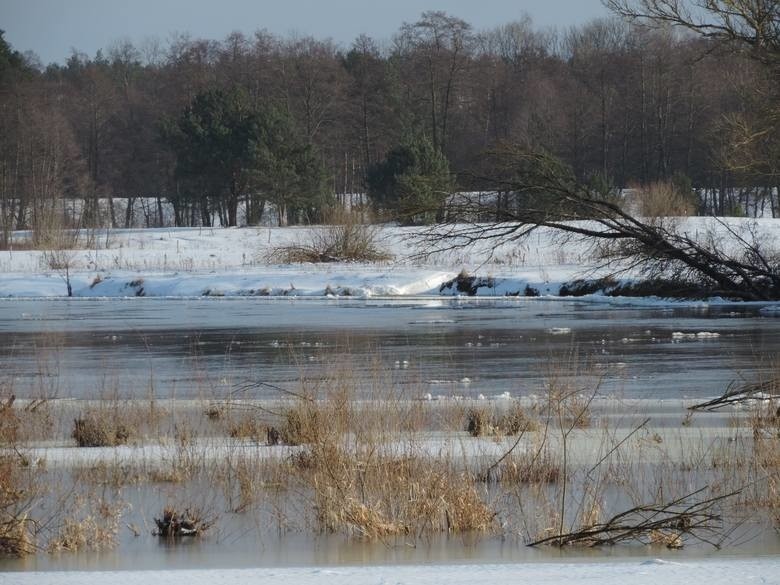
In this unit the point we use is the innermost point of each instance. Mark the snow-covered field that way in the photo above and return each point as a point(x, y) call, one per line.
point(234, 261)
point(655, 572)
point(188, 262)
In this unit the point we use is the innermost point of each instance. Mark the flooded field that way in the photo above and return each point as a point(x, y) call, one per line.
point(321, 432)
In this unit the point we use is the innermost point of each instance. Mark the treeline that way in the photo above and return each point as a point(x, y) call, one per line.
point(300, 122)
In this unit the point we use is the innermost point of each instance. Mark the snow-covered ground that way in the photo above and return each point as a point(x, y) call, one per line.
point(636, 572)
point(189, 262)
point(235, 261)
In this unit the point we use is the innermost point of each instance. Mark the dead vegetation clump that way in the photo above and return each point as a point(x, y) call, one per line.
point(359, 468)
point(95, 530)
point(301, 424)
point(248, 427)
point(100, 429)
point(175, 524)
point(373, 496)
point(17, 528)
point(765, 422)
point(496, 421)
point(478, 422)
point(528, 468)
point(9, 422)
point(347, 240)
point(23, 423)
point(215, 412)
point(665, 199)
point(670, 523)
point(113, 421)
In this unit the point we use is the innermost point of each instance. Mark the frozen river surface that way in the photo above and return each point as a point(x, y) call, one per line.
point(208, 348)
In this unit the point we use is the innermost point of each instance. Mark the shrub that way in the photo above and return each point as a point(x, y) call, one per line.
point(665, 199)
point(349, 241)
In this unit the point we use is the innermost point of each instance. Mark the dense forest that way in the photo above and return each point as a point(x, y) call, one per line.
point(252, 123)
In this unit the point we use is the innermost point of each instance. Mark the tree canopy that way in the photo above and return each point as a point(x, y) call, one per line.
point(663, 88)
point(227, 148)
point(412, 182)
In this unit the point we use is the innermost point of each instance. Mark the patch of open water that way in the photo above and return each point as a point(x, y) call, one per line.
point(206, 348)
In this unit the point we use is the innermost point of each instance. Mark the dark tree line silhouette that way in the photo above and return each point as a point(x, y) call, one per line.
point(629, 101)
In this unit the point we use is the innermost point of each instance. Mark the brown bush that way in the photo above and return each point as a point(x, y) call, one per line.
point(347, 241)
point(529, 468)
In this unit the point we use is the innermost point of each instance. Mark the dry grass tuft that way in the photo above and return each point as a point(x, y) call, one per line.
point(664, 199)
point(20, 424)
point(16, 526)
point(346, 241)
point(373, 497)
point(116, 422)
point(100, 429)
point(359, 468)
point(302, 424)
point(490, 421)
point(248, 427)
point(529, 468)
point(9, 422)
point(96, 531)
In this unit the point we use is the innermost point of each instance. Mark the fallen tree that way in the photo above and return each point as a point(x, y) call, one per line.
point(765, 392)
point(670, 523)
point(535, 190)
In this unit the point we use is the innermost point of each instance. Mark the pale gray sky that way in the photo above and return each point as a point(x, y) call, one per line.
point(51, 28)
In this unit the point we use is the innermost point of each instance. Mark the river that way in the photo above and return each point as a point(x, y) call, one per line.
point(207, 348)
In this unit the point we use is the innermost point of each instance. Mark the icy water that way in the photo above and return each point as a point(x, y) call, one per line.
point(210, 348)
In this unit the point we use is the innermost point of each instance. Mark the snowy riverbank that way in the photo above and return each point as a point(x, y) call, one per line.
point(194, 262)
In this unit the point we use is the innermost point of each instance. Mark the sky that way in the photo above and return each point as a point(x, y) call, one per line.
point(53, 28)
